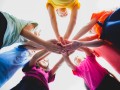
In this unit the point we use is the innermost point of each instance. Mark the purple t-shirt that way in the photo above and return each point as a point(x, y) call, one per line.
point(91, 72)
point(38, 73)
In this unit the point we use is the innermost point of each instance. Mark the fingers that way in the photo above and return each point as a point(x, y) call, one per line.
point(61, 40)
point(63, 46)
point(63, 43)
point(66, 41)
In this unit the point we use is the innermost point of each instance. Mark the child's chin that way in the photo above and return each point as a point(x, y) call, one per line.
point(44, 67)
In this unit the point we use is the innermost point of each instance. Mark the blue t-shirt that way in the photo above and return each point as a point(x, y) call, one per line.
point(13, 30)
point(11, 61)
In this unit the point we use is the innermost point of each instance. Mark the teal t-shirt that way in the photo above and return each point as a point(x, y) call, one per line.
point(13, 30)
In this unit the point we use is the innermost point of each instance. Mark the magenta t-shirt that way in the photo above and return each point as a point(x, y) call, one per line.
point(38, 73)
point(91, 72)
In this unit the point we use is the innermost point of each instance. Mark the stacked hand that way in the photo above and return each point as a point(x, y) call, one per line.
point(60, 47)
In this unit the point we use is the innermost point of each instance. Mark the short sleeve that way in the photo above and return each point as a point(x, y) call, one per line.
point(51, 77)
point(14, 28)
point(77, 71)
point(78, 4)
point(97, 14)
point(91, 57)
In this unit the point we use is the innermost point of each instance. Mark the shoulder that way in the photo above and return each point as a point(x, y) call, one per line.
point(91, 57)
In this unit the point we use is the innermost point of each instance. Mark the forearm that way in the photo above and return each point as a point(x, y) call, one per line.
point(34, 38)
point(72, 22)
point(32, 47)
point(57, 65)
point(53, 20)
point(37, 56)
point(95, 43)
point(55, 27)
point(85, 29)
point(69, 63)
point(77, 44)
point(89, 38)
point(31, 44)
point(69, 29)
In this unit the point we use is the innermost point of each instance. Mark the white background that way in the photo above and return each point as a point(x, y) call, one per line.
point(36, 10)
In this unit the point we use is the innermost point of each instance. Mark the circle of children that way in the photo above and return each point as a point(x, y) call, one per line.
point(104, 26)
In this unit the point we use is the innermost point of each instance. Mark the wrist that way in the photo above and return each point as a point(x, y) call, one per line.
point(80, 44)
point(46, 45)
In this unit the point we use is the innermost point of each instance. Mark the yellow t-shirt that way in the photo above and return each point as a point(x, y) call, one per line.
point(63, 3)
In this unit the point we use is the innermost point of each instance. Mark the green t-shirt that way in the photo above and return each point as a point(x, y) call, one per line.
point(14, 27)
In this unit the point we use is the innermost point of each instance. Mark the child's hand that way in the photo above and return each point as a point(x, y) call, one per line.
point(66, 41)
point(73, 46)
point(61, 40)
point(55, 46)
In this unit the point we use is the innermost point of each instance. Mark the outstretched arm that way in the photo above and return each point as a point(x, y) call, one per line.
point(77, 44)
point(56, 66)
point(86, 28)
point(32, 45)
point(38, 56)
point(45, 44)
point(89, 38)
point(53, 20)
point(68, 61)
point(72, 22)
point(95, 43)
point(26, 33)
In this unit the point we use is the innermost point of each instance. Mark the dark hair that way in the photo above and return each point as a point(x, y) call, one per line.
point(30, 83)
point(86, 86)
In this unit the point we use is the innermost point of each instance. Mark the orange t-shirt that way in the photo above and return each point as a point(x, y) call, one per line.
point(101, 18)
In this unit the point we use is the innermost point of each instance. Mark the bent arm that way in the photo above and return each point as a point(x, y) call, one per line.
point(85, 29)
point(72, 22)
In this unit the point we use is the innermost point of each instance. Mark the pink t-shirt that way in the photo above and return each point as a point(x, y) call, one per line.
point(91, 72)
point(38, 73)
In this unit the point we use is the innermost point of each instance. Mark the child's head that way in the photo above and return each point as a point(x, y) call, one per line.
point(77, 61)
point(62, 12)
point(44, 63)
